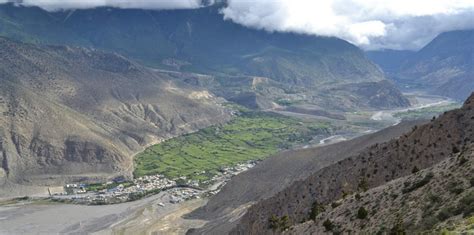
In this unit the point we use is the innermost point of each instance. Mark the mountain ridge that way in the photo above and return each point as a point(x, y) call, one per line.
point(202, 41)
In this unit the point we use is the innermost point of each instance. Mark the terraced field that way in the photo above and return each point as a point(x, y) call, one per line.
point(250, 136)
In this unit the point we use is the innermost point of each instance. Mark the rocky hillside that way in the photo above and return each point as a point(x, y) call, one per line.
point(200, 40)
point(68, 113)
point(447, 137)
point(445, 66)
point(434, 200)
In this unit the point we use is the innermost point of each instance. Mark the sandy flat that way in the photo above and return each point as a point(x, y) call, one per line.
point(143, 216)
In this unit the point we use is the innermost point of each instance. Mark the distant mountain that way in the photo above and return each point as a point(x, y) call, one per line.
point(390, 60)
point(420, 182)
point(445, 66)
point(200, 40)
point(69, 113)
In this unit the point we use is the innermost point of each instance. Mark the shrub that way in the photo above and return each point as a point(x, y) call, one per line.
point(281, 223)
point(328, 225)
point(434, 198)
point(455, 187)
point(462, 160)
point(335, 204)
point(455, 149)
point(363, 185)
point(397, 229)
point(316, 209)
point(466, 204)
point(362, 213)
point(414, 170)
point(445, 213)
point(274, 222)
point(429, 222)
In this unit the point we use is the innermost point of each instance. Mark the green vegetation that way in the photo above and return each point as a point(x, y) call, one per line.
point(465, 207)
point(13, 201)
point(100, 186)
point(316, 209)
point(250, 136)
point(279, 223)
point(363, 184)
point(362, 213)
point(287, 102)
point(328, 225)
point(426, 113)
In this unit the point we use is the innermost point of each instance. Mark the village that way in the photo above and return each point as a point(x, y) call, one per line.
point(120, 190)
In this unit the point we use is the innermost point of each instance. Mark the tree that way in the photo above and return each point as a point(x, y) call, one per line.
point(362, 213)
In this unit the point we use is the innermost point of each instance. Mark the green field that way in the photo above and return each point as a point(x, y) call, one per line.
point(426, 113)
point(250, 136)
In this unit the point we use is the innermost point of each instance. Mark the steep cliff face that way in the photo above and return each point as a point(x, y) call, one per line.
point(74, 112)
point(423, 147)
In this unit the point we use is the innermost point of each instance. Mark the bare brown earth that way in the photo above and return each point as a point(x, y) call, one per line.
point(447, 137)
point(224, 210)
point(70, 114)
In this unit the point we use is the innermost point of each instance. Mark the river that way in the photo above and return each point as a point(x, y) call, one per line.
point(387, 117)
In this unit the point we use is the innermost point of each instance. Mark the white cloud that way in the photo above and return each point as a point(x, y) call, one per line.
point(54, 5)
point(372, 24)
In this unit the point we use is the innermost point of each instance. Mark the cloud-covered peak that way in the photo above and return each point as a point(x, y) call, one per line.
point(371, 24)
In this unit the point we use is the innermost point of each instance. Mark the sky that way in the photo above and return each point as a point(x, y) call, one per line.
point(370, 24)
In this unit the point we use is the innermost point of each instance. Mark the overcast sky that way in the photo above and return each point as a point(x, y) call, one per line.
point(370, 24)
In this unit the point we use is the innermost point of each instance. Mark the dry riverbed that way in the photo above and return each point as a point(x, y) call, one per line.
point(150, 215)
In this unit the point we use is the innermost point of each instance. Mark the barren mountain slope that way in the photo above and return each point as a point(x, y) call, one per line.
point(421, 148)
point(431, 200)
point(74, 111)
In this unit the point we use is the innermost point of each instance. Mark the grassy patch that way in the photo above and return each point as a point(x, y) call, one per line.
point(250, 136)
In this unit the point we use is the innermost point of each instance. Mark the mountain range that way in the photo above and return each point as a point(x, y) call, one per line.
point(299, 67)
point(444, 66)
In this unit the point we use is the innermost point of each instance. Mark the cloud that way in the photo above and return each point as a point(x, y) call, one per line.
point(54, 5)
point(371, 24)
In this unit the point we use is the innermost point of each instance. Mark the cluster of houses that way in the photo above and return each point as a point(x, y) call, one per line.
point(178, 195)
point(121, 191)
point(226, 173)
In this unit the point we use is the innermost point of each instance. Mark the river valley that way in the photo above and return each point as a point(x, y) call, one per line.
point(155, 214)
